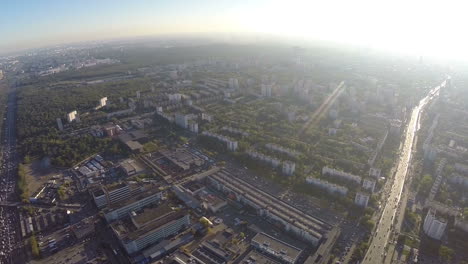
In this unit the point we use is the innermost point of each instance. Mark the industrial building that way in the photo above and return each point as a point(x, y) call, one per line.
point(293, 220)
point(135, 202)
point(275, 248)
point(148, 226)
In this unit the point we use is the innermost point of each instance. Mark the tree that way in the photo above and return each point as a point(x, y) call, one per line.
point(446, 253)
point(34, 246)
point(425, 184)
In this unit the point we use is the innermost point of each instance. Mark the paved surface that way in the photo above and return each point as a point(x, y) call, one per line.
point(10, 235)
point(378, 247)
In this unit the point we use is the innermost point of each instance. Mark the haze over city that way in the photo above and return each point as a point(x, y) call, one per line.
point(233, 132)
point(421, 28)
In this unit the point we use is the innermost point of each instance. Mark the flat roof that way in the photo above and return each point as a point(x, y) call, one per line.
point(280, 248)
point(255, 257)
point(127, 231)
point(132, 199)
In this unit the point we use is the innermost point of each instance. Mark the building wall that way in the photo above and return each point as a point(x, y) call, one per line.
point(157, 235)
point(123, 211)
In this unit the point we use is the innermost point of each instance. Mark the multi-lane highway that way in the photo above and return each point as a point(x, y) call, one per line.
point(377, 251)
point(9, 234)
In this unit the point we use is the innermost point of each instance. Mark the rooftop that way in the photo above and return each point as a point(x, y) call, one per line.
point(152, 190)
point(277, 247)
point(148, 221)
point(254, 257)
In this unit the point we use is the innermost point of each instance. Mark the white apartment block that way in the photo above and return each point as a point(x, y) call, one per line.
point(375, 172)
point(233, 83)
point(368, 184)
point(193, 127)
point(288, 167)
point(434, 227)
point(102, 102)
point(281, 149)
point(231, 145)
point(72, 116)
point(262, 157)
point(361, 199)
point(266, 90)
point(341, 174)
point(327, 186)
point(181, 120)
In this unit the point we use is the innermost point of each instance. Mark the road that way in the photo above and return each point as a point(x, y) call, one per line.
point(379, 241)
point(10, 236)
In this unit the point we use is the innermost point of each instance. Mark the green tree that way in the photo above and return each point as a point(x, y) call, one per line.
point(446, 253)
point(34, 246)
point(425, 184)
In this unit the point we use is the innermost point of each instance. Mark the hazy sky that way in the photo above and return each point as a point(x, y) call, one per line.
point(421, 27)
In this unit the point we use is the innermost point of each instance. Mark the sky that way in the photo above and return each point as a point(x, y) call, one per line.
point(425, 28)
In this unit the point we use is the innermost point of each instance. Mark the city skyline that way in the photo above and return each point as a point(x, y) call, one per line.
point(409, 28)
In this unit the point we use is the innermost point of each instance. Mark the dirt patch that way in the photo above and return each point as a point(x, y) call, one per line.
point(36, 175)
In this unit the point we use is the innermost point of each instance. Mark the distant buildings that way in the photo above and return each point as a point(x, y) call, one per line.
point(266, 90)
point(233, 83)
point(72, 116)
point(433, 226)
point(361, 199)
point(138, 94)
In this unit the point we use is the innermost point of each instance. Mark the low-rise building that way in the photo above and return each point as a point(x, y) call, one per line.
point(275, 248)
point(149, 226)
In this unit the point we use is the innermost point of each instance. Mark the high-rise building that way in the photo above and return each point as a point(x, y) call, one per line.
point(138, 94)
point(266, 90)
point(434, 226)
point(233, 83)
point(59, 124)
point(181, 120)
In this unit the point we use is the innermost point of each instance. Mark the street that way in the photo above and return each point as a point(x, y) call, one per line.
point(377, 251)
point(9, 221)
